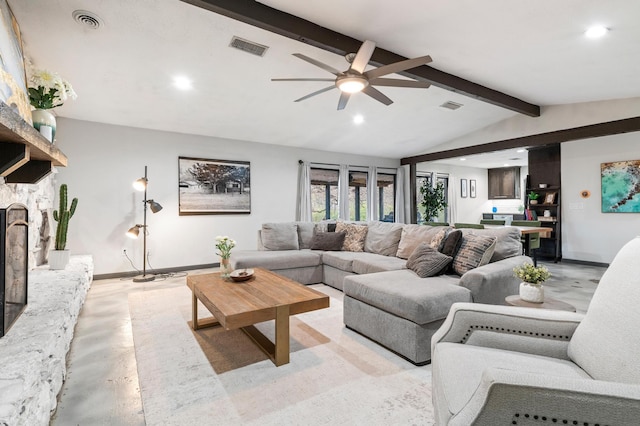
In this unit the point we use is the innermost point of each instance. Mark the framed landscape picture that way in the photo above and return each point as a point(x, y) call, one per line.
point(213, 186)
point(620, 183)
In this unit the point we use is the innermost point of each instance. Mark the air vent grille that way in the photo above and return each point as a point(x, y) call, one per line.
point(87, 19)
point(451, 105)
point(248, 46)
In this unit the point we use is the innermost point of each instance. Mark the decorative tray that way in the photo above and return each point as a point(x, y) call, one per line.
point(241, 274)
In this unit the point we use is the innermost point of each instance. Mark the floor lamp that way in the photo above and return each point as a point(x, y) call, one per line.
point(133, 232)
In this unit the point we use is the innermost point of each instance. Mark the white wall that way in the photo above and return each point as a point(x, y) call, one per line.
point(587, 233)
point(105, 159)
point(469, 210)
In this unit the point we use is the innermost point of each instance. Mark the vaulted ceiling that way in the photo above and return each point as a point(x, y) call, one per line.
point(520, 53)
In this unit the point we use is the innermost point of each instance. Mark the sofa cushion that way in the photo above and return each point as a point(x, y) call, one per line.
point(343, 260)
point(280, 236)
point(328, 241)
point(475, 250)
point(274, 260)
point(378, 264)
point(426, 261)
point(412, 235)
point(383, 238)
point(508, 243)
point(403, 293)
point(305, 234)
point(356, 234)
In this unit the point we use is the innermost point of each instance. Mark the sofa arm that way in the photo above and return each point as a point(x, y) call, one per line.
point(493, 282)
point(507, 396)
point(534, 331)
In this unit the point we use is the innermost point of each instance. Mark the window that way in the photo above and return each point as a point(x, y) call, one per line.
point(324, 194)
point(358, 195)
point(386, 196)
point(427, 178)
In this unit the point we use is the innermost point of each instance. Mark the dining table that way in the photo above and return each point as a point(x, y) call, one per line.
point(527, 231)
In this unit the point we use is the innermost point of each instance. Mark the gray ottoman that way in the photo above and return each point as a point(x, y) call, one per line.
point(400, 310)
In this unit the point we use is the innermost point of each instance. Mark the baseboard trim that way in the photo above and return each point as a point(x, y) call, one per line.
point(155, 271)
point(584, 262)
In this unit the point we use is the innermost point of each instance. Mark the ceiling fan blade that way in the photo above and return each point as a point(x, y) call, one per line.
point(377, 95)
point(395, 82)
point(344, 98)
point(397, 67)
point(317, 63)
point(303, 79)
point(362, 57)
point(317, 92)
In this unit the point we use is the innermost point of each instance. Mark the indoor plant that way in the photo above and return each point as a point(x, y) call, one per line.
point(533, 197)
point(433, 199)
point(48, 91)
point(224, 246)
point(531, 288)
point(59, 258)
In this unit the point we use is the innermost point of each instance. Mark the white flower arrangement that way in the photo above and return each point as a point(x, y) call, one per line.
point(224, 246)
point(50, 90)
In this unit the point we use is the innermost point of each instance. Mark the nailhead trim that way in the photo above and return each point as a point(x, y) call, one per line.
point(545, 419)
point(512, 331)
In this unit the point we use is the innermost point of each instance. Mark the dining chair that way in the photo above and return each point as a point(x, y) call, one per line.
point(437, 223)
point(530, 241)
point(468, 225)
point(492, 222)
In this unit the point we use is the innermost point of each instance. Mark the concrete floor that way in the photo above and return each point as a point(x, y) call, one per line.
point(102, 379)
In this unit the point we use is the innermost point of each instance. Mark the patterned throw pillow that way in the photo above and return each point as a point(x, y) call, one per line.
point(328, 241)
point(475, 251)
point(438, 239)
point(413, 235)
point(356, 235)
point(427, 261)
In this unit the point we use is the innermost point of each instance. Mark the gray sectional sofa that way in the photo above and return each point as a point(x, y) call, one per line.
point(383, 298)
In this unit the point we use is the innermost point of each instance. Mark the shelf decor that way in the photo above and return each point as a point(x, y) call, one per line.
point(620, 186)
point(50, 91)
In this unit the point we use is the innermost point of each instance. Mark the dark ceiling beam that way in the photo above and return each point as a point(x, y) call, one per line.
point(276, 21)
point(615, 127)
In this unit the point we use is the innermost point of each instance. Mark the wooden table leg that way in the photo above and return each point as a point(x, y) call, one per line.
point(281, 355)
point(194, 310)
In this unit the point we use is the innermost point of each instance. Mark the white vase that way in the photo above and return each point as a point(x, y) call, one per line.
point(41, 118)
point(59, 259)
point(533, 293)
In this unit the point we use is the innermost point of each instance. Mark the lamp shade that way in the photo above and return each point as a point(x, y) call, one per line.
point(133, 232)
point(140, 184)
point(154, 206)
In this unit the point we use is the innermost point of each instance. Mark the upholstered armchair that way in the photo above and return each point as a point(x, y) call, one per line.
point(501, 365)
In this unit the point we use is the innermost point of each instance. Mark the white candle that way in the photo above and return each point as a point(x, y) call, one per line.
point(47, 132)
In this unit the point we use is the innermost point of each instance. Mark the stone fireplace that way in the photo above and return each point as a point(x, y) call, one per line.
point(14, 264)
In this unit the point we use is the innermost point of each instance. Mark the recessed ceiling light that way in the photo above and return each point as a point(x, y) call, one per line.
point(506, 164)
point(596, 31)
point(358, 119)
point(463, 159)
point(182, 82)
point(521, 150)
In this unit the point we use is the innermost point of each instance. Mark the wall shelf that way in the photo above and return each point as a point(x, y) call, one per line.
point(25, 155)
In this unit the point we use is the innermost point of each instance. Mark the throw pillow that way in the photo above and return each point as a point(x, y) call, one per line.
point(475, 251)
point(451, 243)
point(383, 238)
point(413, 235)
point(438, 239)
point(280, 236)
point(328, 241)
point(508, 241)
point(305, 234)
point(356, 234)
point(427, 261)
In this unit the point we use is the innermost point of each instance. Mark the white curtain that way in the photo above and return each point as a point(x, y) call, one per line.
point(453, 199)
point(401, 183)
point(303, 207)
point(373, 199)
point(343, 192)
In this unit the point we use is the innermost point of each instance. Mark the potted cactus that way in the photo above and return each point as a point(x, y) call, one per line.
point(59, 258)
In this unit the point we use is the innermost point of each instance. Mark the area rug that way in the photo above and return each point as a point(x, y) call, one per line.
point(217, 377)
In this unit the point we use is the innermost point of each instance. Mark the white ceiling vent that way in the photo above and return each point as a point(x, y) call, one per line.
point(451, 105)
point(248, 46)
point(87, 19)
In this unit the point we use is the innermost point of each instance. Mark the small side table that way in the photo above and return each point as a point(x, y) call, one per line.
point(549, 303)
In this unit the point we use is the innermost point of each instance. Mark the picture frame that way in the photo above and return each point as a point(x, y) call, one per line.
point(13, 77)
point(550, 198)
point(619, 183)
point(472, 188)
point(213, 186)
point(463, 188)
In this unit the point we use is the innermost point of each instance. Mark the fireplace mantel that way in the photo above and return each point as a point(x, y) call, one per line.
point(25, 155)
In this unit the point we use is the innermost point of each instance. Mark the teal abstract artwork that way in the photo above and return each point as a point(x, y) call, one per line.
point(620, 187)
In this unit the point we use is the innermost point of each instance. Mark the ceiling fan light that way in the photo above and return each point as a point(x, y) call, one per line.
point(352, 84)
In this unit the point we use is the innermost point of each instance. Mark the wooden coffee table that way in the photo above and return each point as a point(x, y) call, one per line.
point(549, 303)
point(266, 296)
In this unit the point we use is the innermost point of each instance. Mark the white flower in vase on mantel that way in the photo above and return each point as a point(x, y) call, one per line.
point(47, 90)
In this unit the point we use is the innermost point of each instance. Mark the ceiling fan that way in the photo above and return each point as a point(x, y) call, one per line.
point(356, 79)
